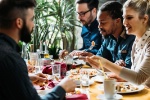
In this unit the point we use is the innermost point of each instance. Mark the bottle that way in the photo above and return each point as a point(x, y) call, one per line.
point(41, 50)
point(46, 54)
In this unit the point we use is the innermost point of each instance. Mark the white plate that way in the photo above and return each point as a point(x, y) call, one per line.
point(116, 97)
point(43, 92)
point(98, 78)
point(79, 62)
point(92, 72)
point(140, 87)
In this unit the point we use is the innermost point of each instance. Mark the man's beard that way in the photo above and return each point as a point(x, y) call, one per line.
point(88, 22)
point(106, 35)
point(25, 34)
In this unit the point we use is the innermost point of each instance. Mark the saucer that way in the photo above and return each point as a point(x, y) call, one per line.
point(90, 83)
point(116, 97)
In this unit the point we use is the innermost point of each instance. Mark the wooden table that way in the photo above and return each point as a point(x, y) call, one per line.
point(142, 95)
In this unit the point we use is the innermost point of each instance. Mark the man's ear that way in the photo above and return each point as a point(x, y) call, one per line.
point(19, 23)
point(94, 10)
point(118, 20)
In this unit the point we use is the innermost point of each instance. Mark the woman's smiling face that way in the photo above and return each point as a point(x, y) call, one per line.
point(132, 22)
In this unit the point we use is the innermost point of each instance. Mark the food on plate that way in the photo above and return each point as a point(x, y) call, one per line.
point(75, 77)
point(74, 72)
point(91, 72)
point(77, 91)
point(122, 87)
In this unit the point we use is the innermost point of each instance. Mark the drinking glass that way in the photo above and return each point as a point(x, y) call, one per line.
point(84, 81)
point(56, 69)
point(84, 78)
point(35, 61)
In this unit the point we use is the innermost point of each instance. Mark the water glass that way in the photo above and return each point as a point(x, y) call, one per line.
point(84, 78)
point(56, 69)
point(34, 60)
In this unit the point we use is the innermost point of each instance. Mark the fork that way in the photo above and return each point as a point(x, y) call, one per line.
point(92, 45)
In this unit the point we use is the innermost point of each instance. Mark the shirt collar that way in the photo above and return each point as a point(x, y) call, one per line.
point(122, 35)
point(10, 41)
point(142, 40)
point(92, 25)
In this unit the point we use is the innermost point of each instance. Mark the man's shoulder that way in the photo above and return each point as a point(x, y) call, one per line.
point(130, 37)
point(6, 51)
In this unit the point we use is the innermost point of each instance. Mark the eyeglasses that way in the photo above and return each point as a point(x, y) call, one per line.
point(82, 14)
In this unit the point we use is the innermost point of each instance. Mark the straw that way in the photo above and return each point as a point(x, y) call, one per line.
point(106, 77)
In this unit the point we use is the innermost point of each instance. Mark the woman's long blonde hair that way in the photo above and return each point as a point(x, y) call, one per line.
point(140, 6)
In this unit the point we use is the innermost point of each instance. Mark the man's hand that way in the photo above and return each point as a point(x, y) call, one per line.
point(31, 68)
point(120, 63)
point(76, 53)
point(63, 53)
point(68, 84)
point(84, 53)
point(38, 79)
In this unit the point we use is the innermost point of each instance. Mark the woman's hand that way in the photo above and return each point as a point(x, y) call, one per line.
point(100, 62)
point(118, 79)
point(120, 63)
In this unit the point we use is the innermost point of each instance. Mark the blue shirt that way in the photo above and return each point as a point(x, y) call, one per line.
point(113, 49)
point(89, 34)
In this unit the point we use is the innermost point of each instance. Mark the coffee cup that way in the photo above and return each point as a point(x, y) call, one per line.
point(109, 88)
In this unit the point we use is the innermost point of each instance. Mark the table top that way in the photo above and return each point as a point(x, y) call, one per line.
point(141, 95)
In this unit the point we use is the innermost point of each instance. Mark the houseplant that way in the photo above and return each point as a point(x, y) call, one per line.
point(54, 23)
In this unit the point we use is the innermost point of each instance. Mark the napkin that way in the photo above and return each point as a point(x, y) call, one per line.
point(37, 87)
point(77, 97)
point(47, 69)
point(51, 84)
point(64, 67)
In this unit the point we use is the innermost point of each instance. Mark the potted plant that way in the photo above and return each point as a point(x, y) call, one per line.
point(54, 21)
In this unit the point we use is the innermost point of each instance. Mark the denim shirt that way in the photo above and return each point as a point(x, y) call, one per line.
point(89, 34)
point(113, 49)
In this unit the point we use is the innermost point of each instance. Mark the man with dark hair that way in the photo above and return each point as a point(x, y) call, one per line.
point(117, 44)
point(87, 12)
point(16, 23)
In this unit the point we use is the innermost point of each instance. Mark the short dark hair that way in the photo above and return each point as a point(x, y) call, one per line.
point(12, 9)
point(91, 3)
point(113, 8)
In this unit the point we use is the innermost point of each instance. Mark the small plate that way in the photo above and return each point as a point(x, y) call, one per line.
point(78, 62)
point(98, 78)
point(116, 97)
point(43, 92)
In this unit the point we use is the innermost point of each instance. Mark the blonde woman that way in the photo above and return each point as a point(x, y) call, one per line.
point(136, 14)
